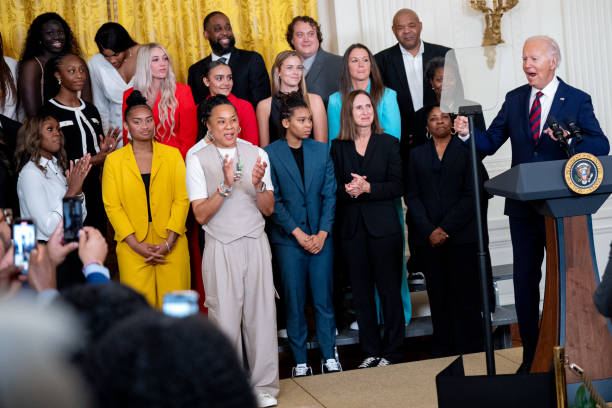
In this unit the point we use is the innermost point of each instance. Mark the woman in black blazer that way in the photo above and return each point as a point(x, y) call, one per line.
point(369, 177)
point(442, 222)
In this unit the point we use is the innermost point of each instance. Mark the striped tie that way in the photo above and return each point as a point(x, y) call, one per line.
point(535, 114)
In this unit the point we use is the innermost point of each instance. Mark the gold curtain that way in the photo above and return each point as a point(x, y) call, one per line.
point(176, 24)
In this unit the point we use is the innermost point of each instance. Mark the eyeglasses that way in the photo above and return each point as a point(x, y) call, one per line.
point(6, 215)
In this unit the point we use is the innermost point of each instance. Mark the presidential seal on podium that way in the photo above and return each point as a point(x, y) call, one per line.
point(583, 173)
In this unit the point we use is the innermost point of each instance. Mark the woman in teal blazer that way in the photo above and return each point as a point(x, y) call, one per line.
point(305, 202)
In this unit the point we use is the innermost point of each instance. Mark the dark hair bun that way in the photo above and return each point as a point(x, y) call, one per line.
point(135, 99)
point(212, 103)
point(289, 102)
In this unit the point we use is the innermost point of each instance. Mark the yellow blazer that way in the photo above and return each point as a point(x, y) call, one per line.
point(125, 199)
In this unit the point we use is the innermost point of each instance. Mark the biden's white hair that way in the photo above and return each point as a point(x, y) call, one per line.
point(553, 48)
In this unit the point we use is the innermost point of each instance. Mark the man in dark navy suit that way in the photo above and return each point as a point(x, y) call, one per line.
point(523, 119)
point(251, 81)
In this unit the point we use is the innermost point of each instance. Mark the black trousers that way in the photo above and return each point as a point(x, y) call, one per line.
point(528, 242)
point(376, 261)
point(453, 287)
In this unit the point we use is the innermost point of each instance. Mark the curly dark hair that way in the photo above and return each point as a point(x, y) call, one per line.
point(304, 19)
point(29, 140)
point(170, 362)
point(205, 110)
point(33, 46)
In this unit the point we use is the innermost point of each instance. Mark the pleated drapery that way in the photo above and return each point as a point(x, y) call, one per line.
point(176, 24)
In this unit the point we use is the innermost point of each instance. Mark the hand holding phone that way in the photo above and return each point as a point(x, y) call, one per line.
point(73, 218)
point(24, 241)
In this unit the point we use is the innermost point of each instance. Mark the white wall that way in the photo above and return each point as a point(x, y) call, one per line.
point(582, 29)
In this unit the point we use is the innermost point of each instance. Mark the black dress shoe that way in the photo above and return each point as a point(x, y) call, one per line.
point(524, 368)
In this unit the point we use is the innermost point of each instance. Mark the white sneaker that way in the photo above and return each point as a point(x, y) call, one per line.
point(354, 325)
point(384, 362)
point(301, 370)
point(282, 334)
point(266, 400)
point(331, 365)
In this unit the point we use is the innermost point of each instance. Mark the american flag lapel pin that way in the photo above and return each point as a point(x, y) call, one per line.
point(562, 99)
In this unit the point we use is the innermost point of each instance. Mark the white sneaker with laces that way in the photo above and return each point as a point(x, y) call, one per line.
point(301, 370)
point(331, 365)
point(282, 334)
point(384, 362)
point(266, 400)
point(369, 362)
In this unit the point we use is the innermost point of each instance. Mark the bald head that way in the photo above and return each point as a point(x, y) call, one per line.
point(407, 29)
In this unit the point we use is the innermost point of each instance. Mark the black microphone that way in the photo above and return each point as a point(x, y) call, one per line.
point(574, 130)
point(553, 124)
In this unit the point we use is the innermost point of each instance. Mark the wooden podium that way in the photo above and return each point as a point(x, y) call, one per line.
point(569, 317)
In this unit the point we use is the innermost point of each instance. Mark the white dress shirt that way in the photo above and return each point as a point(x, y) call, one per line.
point(196, 181)
point(108, 86)
point(414, 73)
point(10, 105)
point(215, 57)
point(546, 100)
point(40, 195)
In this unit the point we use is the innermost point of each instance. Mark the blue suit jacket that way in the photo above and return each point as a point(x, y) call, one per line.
point(309, 205)
point(512, 122)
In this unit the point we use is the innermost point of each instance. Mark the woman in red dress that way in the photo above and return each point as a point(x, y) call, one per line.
point(173, 108)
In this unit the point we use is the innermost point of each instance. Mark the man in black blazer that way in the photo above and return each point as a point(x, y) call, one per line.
point(322, 69)
point(403, 69)
point(251, 81)
point(402, 72)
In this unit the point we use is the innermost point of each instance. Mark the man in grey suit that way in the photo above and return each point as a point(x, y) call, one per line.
point(322, 69)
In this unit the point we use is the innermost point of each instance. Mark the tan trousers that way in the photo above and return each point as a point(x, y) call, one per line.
point(240, 300)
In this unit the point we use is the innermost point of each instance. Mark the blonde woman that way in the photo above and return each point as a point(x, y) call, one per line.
point(172, 103)
point(288, 76)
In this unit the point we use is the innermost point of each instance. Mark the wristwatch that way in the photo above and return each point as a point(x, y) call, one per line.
point(263, 187)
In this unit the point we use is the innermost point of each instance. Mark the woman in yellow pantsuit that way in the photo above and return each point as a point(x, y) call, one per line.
point(143, 187)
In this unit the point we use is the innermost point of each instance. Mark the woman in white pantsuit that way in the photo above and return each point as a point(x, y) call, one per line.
point(229, 187)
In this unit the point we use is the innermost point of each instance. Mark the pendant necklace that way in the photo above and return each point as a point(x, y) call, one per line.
point(237, 164)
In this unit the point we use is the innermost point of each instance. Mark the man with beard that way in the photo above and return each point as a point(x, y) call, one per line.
point(251, 81)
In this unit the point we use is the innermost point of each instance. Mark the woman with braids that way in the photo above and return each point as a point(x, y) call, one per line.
point(143, 187)
point(49, 35)
point(305, 202)
point(172, 103)
point(81, 126)
point(230, 190)
point(287, 77)
point(8, 85)
point(45, 178)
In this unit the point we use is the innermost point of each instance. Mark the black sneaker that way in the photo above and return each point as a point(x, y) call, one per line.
point(416, 278)
point(369, 362)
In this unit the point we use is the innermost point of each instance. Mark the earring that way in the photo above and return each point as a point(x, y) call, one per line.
point(239, 129)
point(59, 81)
point(428, 135)
point(453, 131)
point(209, 136)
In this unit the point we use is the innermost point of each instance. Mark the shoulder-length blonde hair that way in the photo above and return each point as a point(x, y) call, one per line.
point(143, 81)
point(275, 75)
point(29, 139)
point(348, 127)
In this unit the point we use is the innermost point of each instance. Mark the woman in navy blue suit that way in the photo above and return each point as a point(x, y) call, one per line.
point(305, 201)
